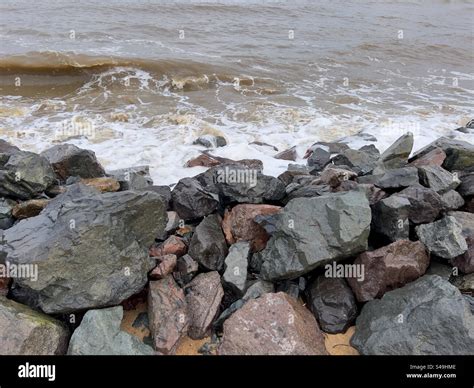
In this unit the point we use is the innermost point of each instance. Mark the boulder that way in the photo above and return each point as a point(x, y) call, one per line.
point(334, 176)
point(236, 263)
point(398, 178)
point(426, 317)
point(211, 141)
point(99, 334)
point(313, 231)
point(333, 304)
point(435, 157)
point(437, 179)
point(208, 246)
point(388, 268)
point(186, 269)
point(91, 249)
point(425, 204)
point(289, 154)
point(465, 262)
point(390, 218)
point(167, 313)
point(132, 178)
point(30, 208)
point(396, 156)
point(319, 159)
point(173, 245)
point(465, 283)
point(443, 237)
point(68, 160)
point(203, 296)
point(359, 161)
point(6, 218)
point(27, 332)
point(274, 324)
point(165, 267)
point(452, 200)
point(202, 160)
point(103, 184)
point(466, 220)
point(191, 200)
point(466, 188)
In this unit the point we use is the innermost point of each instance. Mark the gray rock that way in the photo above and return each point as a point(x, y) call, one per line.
point(396, 156)
point(236, 263)
point(465, 283)
point(398, 178)
point(307, 191)
point(211, 141)
point(452, 200)
point(191, 200)
point(289, 154)
point(163, 191)
point(319, 159)
point(68, 160)
point(333, 304)
point(466, 220)
point(466, 188)
point(99, 334)
point(91, 249)
point(6, 207)
point(173, 221)
point(444, 271)
point(390, 218)
point(289, 287)
point(24, 331)
point(425, 204)
point(208, 246)
point(186, 269)
point(132, 178)
point(313, 231)
point(443, 238)
point(437, 178)
point(359, 161)
point(426, 317)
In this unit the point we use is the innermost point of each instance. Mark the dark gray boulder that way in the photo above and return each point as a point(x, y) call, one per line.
point(319, 159)
point(236, 263)
point(390, 218)
point(437, 178)
point(132, 178)
point(466, 188)
point(191, 200)
point(359, 161)
point(398, 178)
point(211, 141)
point(425, 204)
point(6, 218)
point(396, 156)
point(426, 317)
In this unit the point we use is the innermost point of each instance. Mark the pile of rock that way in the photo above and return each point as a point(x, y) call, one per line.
point(374, 246)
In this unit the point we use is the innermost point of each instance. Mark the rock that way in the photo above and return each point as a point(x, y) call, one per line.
point(466, 220)
point(307, 191)
point(99, 334)
point(435, 157)
point(208, 246)
point(466, 188)
point(396, 156)
point(444, 271)
point(339, 344)
point(239, 224)
point(27, 332)
point(4, 286)
point(274, 324)
point(24, 175)
point(373, 193)
point(202, 160)
point(238, 183)
point(191, 200)
point(319, 159)
point(173, 222)
point(163, 191)
point(6, 218)
point(203, 296)
point(459, 154)
point(167, 312)
point(334, 176)
point(425, 204)
point(68, 160)
point(103, 184)
point(388, 268)
point(289, 287)
point(333, 304)
point(173, 245)
point(331, 147)
point(165, 267)
point(390, 218)
point(30, 208)
point(398, 178)
point(289, 154)
point(211, 141)
point(452, 200)
point(359, 161)
point(91, 249)
point(465, 283)
point(426, 317)
point(236, 262)
point(313, 231)
point(437, 179)
point(132, 178)
point(465, 262)
point(443, 238)
point(186, 268)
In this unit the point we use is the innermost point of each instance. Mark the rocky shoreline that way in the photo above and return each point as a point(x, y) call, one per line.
point(357, 252)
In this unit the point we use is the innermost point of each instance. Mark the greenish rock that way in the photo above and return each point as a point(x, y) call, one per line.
point(396, 156)
point(6, 207)
point(438, 179)
point(390, 218)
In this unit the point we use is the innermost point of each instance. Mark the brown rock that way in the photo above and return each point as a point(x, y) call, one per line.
point(239, 225)
point(203, 296)
point(4, 286)
point(30, 208)
point(333, 176)
point(202, 160)
point(103, 184)
point(388, 268)
point(173, 245)
point(289, 154)
point(166, 265)
point(339, 344)
point(167, 313)
point(465, 262)
point(274, 324)
point(433, 158)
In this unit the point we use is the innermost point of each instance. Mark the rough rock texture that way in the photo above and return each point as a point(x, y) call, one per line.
point(435, 157)
point(29, 208)
point(166, 265)
point(426, 317)
point(390, 218)
point(186, 269)
point(24, 331)
point(452, 200)
point(132, 178)
point(466, 220)
point(99, 334)
point(191, 200)
point(91, 249)
point(274, 324)
point(202, 160)
point(289, 154)
point(312, 231)
point(208, 246)
point(465, 262)
point(465, 283)
point(236, 263)
point(239, 224)
point(398, 178)
point(443, 237)
point(437, 179)
point(333, 176)
point(359, 161)
point(425, 204)
point(173, 245)
point(319, 159)
point(388, 268)
point(396, 155)
point(103, 184)
point(466, 188)
point(333, 304)
point(6, 207)
point(211, 141)
point(203, 296)
point(167, 312)
point(68, 160)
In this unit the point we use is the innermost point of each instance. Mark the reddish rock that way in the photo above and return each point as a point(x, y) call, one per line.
point(103, 184)
point(167, 313)
point(289, 154)
point(203, 296)
point(4, 286)
point(433, 158)
point(239, 225)
point(388, 268)
point(173, 245)
point(202, 160)
point(274, 324)
point(465, 262)
point(30, 208)
point(166, 265)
